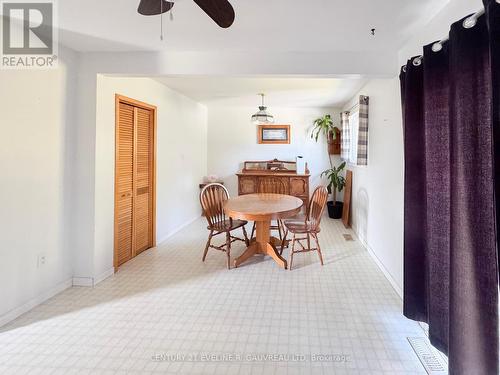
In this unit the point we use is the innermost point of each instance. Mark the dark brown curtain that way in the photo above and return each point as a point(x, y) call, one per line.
point(493, 20)
point(415, 306)
point(451, 119)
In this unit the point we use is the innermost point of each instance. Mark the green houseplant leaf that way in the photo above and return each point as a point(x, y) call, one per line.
point(336, 182)
point(323, 125)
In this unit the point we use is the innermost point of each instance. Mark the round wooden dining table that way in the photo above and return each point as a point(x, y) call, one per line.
point(262, 208)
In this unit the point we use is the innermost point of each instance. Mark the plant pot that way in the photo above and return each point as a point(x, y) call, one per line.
point(335, 210)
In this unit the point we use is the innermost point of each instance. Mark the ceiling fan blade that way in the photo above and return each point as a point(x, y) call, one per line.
point(154, 7)
point(221, 11)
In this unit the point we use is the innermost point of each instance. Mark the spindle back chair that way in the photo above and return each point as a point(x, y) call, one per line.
point(310, 226)
point(212, 199)
point(271, 185)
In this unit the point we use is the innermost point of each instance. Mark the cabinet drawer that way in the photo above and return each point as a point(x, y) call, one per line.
point(299, 186)
point(247, 185)
point(266, 183)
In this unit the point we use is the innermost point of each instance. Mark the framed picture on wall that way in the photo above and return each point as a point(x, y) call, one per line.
point(273, 134)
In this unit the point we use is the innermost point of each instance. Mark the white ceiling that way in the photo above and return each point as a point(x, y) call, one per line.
point(260, 25)
point(280, 91)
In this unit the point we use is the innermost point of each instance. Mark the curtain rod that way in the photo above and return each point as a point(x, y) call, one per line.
point(468, 23)
point(350, 109)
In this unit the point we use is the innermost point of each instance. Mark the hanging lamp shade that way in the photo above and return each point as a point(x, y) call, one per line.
point(262, 117)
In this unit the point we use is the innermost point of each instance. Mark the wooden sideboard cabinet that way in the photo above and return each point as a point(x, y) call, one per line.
point(254, 175)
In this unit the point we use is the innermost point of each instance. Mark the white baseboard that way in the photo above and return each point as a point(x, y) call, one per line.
point(380, 265)
point(103, 276)
point(93, 281)
point(176, 230)
point(14, 313)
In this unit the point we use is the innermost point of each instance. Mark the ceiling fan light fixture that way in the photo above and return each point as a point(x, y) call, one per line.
point(220, 11)
point(154, 7)
point(262, 116)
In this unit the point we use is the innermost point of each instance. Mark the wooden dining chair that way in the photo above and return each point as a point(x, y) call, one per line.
point(272, 185)
point(212, 198)
point(308, 226)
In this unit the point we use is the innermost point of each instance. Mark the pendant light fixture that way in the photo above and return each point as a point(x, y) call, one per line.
point(262, 117)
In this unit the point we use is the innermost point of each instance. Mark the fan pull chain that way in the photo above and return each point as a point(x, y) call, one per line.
point(161, 19)
point(171, 13)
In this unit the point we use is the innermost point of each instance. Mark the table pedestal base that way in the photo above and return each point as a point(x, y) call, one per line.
point(263, 244)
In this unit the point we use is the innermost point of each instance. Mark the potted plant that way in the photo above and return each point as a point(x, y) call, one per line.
point(336, 183)
point(324, 125)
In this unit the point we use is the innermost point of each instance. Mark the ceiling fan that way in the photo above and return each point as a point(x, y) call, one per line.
point(221, 11)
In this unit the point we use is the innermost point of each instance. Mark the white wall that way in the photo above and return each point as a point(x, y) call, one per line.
point(438, 27)
point(35, 167)
point(377, 190)
point(377, 205)
point(181, 159)
point(232, 139)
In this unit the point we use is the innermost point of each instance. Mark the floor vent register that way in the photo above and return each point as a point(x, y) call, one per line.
point(428, 356)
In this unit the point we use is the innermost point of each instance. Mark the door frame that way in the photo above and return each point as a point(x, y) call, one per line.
point(136, 103)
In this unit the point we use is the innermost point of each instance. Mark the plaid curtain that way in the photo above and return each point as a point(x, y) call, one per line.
point(363, 131)
point(345, 137)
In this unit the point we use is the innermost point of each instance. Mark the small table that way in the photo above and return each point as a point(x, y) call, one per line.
point(262, 208)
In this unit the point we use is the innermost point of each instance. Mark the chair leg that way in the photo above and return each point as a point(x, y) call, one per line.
point(283, 241)
point(228, 249)
point(207, 245)
point(247, 242)
point(319, 248)
point(253, 230)
point(291, 253)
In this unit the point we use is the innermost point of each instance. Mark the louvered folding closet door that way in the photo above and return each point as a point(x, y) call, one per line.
point(143, 198)
point(124, 184)
point(134, 182)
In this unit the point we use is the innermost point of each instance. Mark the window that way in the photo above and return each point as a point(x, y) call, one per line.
point(355, 133)
point(353, 139)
